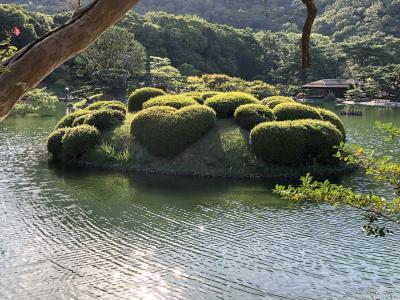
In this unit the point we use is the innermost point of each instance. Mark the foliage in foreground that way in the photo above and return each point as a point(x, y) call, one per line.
point(376, 209)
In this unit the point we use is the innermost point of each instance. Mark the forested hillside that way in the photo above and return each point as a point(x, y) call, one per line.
point(338, 18)
point(181, 46)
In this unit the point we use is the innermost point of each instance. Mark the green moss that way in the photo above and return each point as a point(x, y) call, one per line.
point(225, 104)
point(140, 96)
point(175, 101)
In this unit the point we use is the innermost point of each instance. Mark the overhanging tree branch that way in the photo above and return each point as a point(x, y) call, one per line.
point(33, 63)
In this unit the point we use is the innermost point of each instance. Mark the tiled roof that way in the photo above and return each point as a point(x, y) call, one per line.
point(330, 83)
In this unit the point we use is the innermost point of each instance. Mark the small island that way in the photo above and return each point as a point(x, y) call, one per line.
point(216, 134)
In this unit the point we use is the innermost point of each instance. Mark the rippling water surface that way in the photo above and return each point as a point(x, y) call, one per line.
point(74, 234)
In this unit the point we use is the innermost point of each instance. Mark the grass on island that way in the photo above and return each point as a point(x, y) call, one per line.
point(224, 151)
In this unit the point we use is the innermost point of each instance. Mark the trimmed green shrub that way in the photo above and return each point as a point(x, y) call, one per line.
point(175, 101)
point(225, 104)
point(295, 111)
point(330, 116)
point(105, 119)
point(80, 120)
point(166, 131)
point(295, 142)
point(195, 95)
point(54, 141)
point(68, 120)
point(140, 96)
point(208, 95)
point(273, 101)
point(249, 115)
point(80, 140)
point(80, 105)
point(114, 105)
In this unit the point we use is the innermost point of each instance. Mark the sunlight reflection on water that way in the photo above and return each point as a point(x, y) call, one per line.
point(80, 235)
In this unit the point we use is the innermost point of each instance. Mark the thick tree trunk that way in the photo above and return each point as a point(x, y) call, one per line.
point(308, 25)
point(33, 63)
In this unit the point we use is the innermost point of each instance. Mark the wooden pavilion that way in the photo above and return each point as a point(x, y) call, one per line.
point(322, 88)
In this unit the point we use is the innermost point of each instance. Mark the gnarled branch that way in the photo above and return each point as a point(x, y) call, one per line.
point(33, 63)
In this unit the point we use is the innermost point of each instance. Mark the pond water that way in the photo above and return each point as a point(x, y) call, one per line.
point(75, 234)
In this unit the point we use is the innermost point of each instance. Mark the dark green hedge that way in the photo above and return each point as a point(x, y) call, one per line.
point(140, 96)
point(54, 141)
point(225, 104)
point(175, 101)
point(295, 142)
point(114, 105)
point(273, 101)
point(105, 119)
point(330, 116)
point(68, 120)
point(166, 131)
point(249, 115)
point(295, 111)
point(80, 140)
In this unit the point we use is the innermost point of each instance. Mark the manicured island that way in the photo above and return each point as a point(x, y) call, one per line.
point(201, 134)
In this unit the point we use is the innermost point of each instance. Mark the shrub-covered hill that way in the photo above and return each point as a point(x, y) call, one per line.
point(341, 18)
point(230, 135)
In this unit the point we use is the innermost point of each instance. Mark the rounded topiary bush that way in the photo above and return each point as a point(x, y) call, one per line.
point(273, 101)
point(207, 95)
point(330, 116)
point(295, 111)
point(80, 120)
point(114, 105)
point(249, 115)
point(295, 142)
point(105, 119)
point(140, 96)
point(54, 141)
point(166, 131)
point(175, 101)
point(194, 95)
point(68, 120)
point(80, 140)
point(225, 104)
